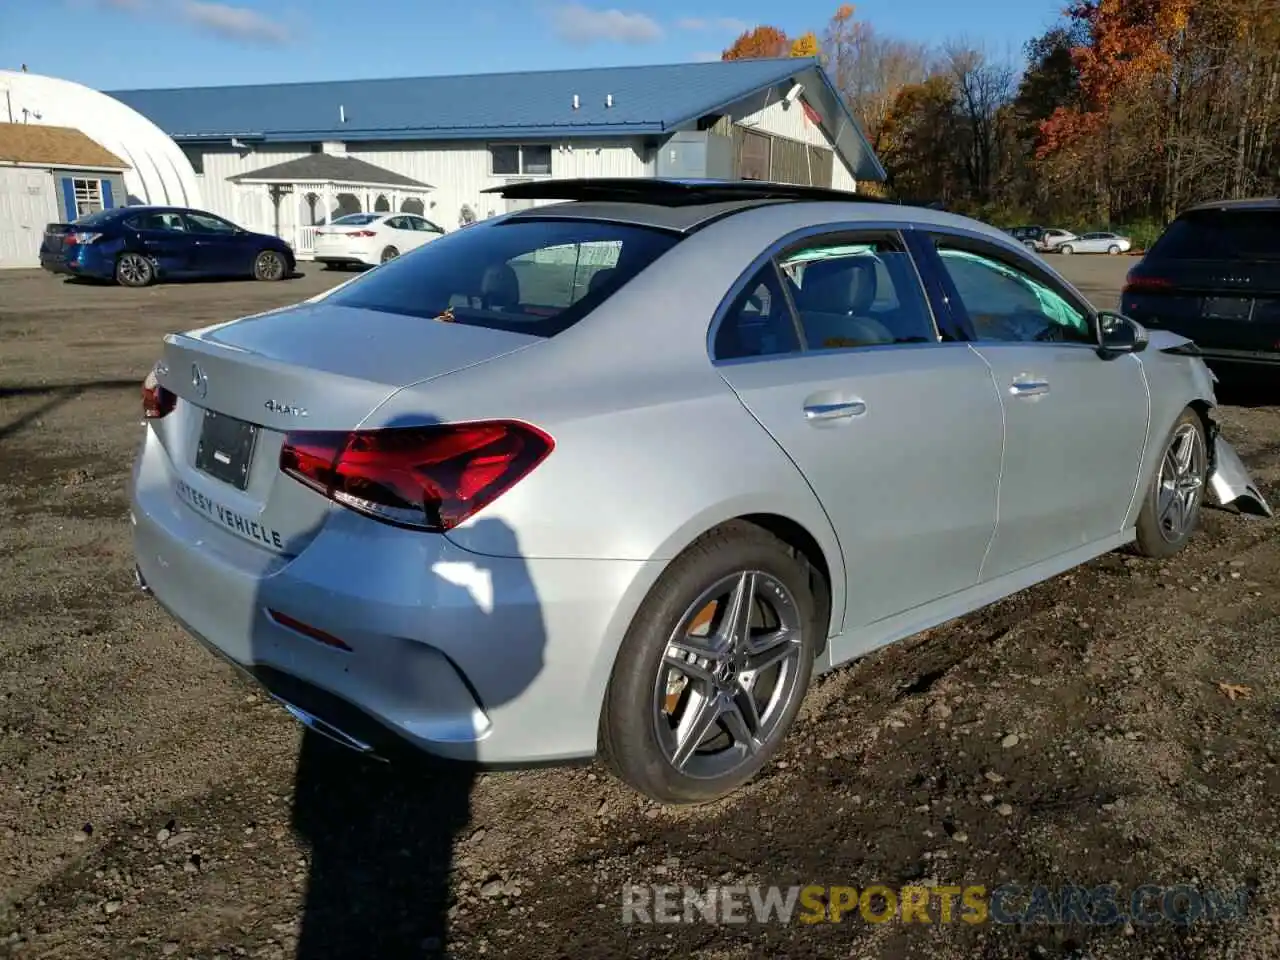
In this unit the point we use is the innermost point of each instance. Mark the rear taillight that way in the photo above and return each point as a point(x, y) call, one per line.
point(157, 402)
point(1142, 284)
point(426, 478)
point(362, 233)
point(80, 237)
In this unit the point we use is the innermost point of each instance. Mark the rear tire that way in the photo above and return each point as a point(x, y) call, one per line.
point(1067, 249)
point(134, 270)
point(683, 719)
point(389, 254)
point(270, 265)
point(1171, 510)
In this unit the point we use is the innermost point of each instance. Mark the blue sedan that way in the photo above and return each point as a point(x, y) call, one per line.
point(136, 246)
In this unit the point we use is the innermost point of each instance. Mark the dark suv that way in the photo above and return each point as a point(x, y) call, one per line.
point(1214, 276)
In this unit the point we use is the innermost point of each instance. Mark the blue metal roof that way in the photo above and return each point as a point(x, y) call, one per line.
point(646, 100)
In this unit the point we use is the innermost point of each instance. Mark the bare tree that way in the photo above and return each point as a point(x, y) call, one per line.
point(983, 84)
point(870, 69)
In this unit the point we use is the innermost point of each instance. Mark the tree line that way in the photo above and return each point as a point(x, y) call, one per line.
point(1123, 113)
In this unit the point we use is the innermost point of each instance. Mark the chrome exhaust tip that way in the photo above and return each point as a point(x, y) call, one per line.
point(328, 730)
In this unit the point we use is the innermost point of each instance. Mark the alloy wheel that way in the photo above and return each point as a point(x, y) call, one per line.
point(1181, 482)
point(270, 266)
point(728, 675)
point(134, 270)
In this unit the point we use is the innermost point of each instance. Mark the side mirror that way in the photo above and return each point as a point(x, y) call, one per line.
point(1119, 334)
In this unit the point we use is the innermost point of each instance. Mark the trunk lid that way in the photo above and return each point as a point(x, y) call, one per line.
point(1224, 304)
point(55, 236)
point(243, 385)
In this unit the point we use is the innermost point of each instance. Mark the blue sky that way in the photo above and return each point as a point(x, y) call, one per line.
point(116, 44)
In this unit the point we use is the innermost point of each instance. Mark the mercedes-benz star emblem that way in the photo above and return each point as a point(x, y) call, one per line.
point(199, 380)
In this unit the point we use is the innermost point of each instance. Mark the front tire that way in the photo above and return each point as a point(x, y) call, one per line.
point(134, 270)
point(713, 669)
point(1067, 249)
point(270, 265)
point(1171, 510)
point(1113, 250)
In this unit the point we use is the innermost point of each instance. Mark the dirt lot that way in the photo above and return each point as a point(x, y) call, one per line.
point(151, 804)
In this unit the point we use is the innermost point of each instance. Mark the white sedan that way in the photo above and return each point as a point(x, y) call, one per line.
point(1111, 243)
point(368, 239)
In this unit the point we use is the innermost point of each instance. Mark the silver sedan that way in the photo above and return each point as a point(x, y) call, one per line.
point(1111, 243)
point(620, 475)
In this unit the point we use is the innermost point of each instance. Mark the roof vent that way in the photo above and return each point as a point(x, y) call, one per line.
point(608, 100)
point(575, 101)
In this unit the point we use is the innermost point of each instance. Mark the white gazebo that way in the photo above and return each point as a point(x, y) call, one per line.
point(336, 186)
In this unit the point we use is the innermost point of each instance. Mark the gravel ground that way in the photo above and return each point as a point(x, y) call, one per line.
point(153, 805)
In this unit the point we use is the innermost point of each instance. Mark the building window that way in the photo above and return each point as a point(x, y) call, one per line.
point(195, 156)
point(520, 159)
point(88, 196)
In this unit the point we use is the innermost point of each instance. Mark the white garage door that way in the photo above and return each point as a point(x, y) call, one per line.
point(27, 204)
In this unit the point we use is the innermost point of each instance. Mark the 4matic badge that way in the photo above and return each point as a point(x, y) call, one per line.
point(279, 406)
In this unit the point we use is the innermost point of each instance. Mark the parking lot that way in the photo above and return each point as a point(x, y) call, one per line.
point(152, 804)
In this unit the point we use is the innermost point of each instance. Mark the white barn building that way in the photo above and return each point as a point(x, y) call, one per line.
point(284, 158)
point(67, 150)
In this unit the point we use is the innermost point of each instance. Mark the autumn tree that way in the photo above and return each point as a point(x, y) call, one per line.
point(805, 45)
point(758, 42)
point(870, 70)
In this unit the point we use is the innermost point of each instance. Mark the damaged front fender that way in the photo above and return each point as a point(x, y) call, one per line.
point(1230, 483)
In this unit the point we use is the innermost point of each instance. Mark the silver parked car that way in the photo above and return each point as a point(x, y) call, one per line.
point(621, 474)
point(1111, 243)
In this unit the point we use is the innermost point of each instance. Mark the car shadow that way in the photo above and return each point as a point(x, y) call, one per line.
point(57, 395)
point(1245, 387)
point(176, 281)
point(436, 639)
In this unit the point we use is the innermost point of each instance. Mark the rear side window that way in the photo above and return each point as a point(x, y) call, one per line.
point(530, 276)
point(1221, 235)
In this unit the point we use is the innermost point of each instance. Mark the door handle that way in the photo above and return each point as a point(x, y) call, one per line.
point(834, 411)
point(1029, 388)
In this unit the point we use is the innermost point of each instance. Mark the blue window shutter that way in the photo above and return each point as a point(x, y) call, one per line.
point(69, 198)
point(106, 195)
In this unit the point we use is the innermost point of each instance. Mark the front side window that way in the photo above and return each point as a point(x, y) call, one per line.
point(206, 223)
point(857, 294)
point(529, 276)
point(1005, 303)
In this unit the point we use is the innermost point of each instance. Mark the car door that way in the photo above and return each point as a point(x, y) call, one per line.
point(220, 248)
point(163, 236)
point(1075, 421)
point(832, 347)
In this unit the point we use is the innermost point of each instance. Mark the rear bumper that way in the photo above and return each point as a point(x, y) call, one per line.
point(81, 263)
point(1258, 358)
point(499, 661)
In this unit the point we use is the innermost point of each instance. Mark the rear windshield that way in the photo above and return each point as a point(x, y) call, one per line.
point(97, 218)
point(1221, 235)
point(529, 276)
point(357, 219)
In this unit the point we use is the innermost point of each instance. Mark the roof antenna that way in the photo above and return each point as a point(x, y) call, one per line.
point(575, 101)
point(608, 100)
point(342, 114)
